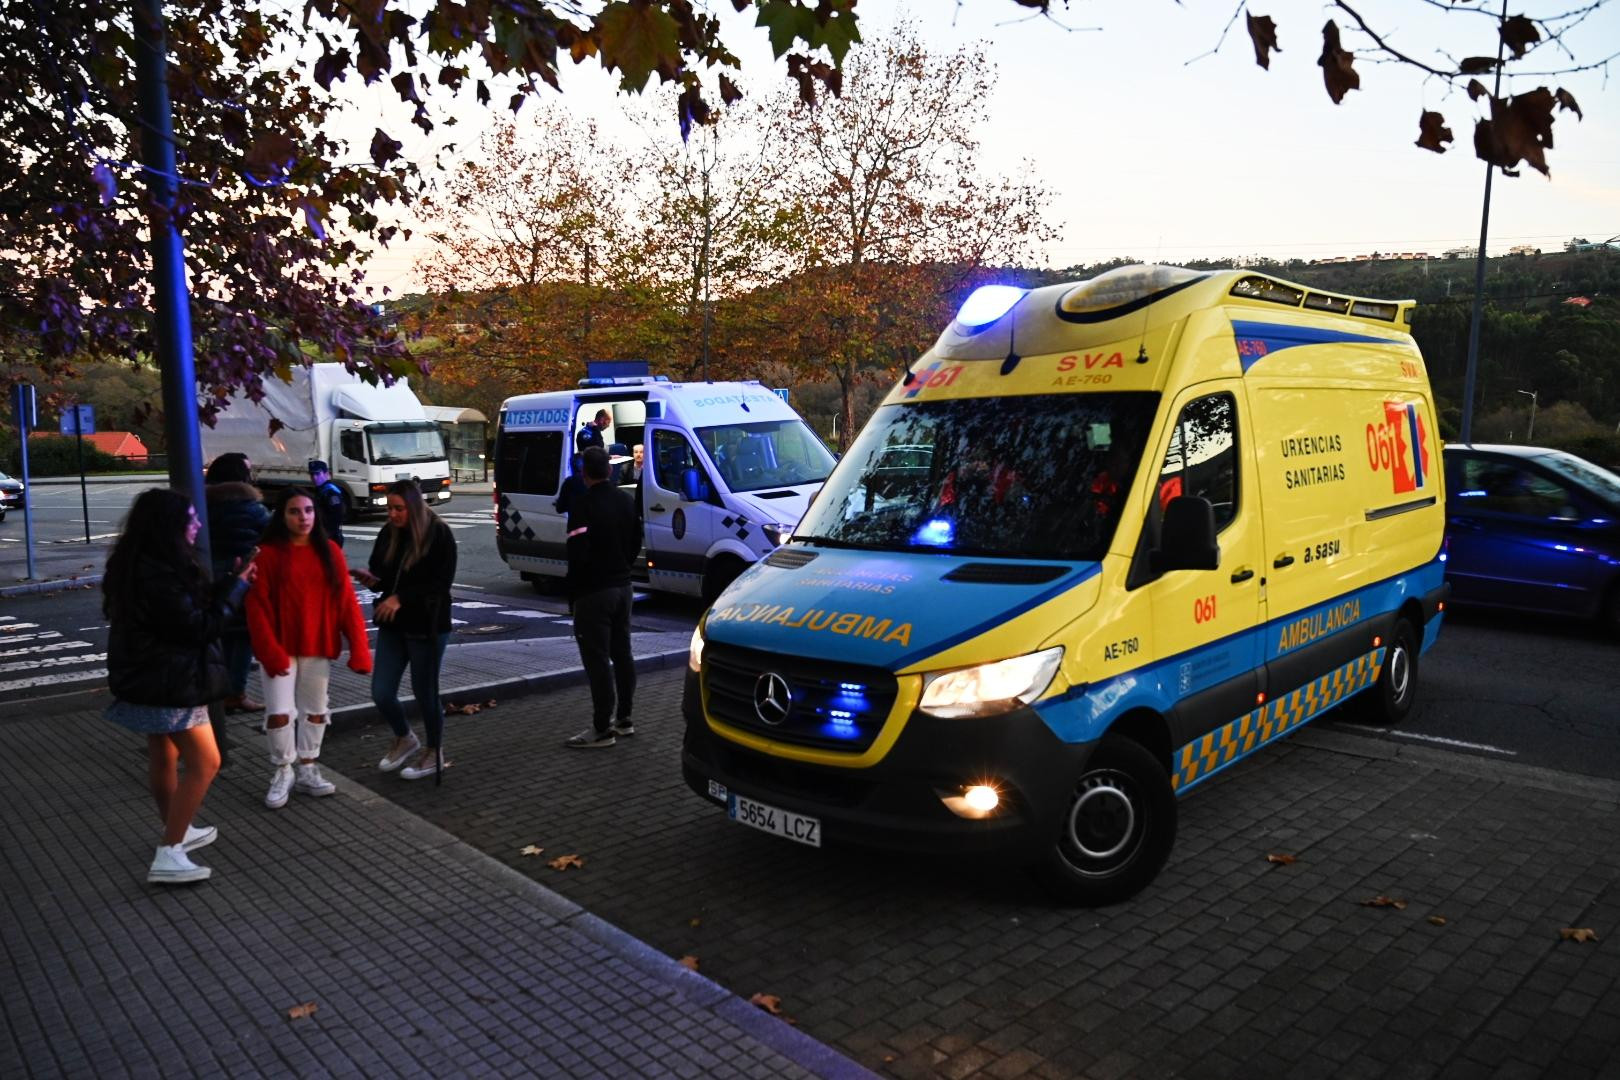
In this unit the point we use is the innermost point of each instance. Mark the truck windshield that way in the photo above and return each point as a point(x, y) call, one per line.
point(1037, 477)
point(770, 453)
point(406, 445)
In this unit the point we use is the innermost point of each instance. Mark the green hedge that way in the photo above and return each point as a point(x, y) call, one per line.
point(56, 456)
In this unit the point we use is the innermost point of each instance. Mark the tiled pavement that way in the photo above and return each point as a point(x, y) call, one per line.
point(1228, 966)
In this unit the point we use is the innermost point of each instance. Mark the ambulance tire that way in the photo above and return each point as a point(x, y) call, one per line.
point(1388, 700)
point(1117, 830)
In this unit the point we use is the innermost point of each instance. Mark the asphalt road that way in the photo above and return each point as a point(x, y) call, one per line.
point(1533, 690)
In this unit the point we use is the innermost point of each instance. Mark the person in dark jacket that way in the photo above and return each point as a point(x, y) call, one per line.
point(164, 664)
point(604, 538)
point(236, 520)
point(329, 500)
point(412, 566)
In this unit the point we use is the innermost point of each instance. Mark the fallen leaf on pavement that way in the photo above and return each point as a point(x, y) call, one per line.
point(688, 962)
point(563, 862)
point(1385, 901)
point(490, 704)
point(769, 1002)
point(298, 1012)
point(1438, 920)
point(1282, 860)
point(531, 850)
point(452, 709)
point(695, 921)
point(1582, 934)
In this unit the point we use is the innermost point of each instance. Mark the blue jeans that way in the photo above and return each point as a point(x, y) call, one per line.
point(423, 654)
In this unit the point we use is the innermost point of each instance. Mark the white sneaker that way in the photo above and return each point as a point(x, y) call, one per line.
point(172, 866)
point(199, 836)
point(389, 763)
point(281, 782)
point(311, 782)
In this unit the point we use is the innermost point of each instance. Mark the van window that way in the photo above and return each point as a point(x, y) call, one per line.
point(351, 445)
point(1202, 459)
point(672, 455)
point(528, 462)
point(1040, 476)
point(765, 454)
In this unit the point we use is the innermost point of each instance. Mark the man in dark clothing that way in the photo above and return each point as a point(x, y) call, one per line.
point(591, 434)
point(328, 499)
point(236, 520)
point(604, 538)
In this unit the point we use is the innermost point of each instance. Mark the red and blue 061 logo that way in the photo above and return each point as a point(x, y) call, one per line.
point(932, 377)
point(1400, 444)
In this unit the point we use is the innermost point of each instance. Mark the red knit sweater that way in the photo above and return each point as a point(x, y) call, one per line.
point(292, 611)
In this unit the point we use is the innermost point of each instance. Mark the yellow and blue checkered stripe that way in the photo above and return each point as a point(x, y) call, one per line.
point(1207, 755)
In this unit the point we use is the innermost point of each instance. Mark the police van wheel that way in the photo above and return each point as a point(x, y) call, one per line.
point(1390, 698)
point(1117, 830)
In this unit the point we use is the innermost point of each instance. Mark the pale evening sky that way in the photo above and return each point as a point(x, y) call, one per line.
point(1151, 153)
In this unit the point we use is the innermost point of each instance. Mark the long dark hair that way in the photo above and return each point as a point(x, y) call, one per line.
point(154, 528)
point(277, 533)
point(411, 542)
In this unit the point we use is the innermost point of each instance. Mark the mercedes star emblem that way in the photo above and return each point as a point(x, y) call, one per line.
point(772, 698)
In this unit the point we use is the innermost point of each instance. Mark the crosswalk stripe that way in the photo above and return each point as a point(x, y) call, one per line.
point(55, 646)
point(51, 680)
point(52, 661)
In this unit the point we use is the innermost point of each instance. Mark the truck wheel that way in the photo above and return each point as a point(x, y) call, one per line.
point(1117, 829)
point(722, 572)
point(1388, 700)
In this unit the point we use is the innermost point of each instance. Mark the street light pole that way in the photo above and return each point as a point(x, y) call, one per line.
point(1467, 433)
point(1530, 435)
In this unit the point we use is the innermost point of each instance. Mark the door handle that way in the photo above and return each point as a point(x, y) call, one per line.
point(657, 508)
point(1282, 560)
point(1242, 575)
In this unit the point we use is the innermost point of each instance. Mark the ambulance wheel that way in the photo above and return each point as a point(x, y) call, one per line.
point(1388, 700)
point(722, 572)
point(1117, 829)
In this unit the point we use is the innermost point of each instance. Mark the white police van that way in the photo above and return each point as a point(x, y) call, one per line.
point(729, 469)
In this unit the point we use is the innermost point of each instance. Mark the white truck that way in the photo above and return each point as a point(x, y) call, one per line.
point(729, 470)
point(370, 435)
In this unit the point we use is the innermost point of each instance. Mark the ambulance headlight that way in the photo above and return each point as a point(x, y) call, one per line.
point(694, 651)
point(989, 689)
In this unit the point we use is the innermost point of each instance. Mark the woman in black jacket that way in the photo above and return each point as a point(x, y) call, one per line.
point(237, 517)
point(164, 664)
point(412, 566)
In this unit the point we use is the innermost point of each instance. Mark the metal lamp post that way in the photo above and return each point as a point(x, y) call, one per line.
point(1530, 435)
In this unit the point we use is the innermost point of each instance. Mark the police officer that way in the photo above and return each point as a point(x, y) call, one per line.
point(328, 499)
point(591, 434)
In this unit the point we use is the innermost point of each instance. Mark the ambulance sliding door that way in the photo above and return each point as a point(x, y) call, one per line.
point(1205, 621)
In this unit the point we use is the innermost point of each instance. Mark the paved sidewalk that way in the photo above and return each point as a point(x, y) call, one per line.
point(420, 955)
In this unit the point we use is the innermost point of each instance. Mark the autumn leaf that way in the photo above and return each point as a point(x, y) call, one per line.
point(299, 1012)
point(769, 1002)
point(694, 921)
point(563, 862)
point(637, 40)
point(1385, 901)
point(1263, 32)
point(1337, 70)
point(785, 22)
point(1476, 90)
point(531, 850)
point(1582, 934)
point(384, 148)
point(1432, 132)
point(1476, 65)
point(1566, 101)
point(1520, 129)
point(689, 962)
point(1437, 920)
point(1280, 860)
point(1518, 33)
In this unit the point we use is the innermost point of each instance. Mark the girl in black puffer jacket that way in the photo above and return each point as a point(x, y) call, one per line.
point(164, 664)
point(236, 520)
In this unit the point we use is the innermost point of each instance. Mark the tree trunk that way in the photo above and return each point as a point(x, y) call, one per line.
point(846, 388)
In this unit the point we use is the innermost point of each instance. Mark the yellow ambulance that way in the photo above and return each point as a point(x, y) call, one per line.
point(1103, 540)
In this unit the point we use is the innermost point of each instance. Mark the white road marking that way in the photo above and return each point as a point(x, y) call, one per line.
point(52, 661)
point(52, 680)
point(473, 604)
point(529, 613)
point(1452, 742)
point(41, 636)
point(55, 646)
point(83, 629)
point(19, 625)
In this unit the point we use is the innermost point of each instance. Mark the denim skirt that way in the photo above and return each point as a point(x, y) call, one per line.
point(156, 719)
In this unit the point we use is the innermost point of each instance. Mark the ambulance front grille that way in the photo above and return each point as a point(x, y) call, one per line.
point(829, 706)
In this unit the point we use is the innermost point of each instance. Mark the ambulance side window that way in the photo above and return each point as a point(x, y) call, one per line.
point(1202, 459)
point(529, 462)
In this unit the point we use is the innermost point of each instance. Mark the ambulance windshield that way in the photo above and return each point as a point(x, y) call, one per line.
point(766, 454)
point(1016, 477)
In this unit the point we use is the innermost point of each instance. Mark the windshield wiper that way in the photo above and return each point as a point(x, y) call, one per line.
point(832, 542)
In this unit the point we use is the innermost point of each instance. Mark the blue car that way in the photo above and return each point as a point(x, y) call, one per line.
point(1533, 529)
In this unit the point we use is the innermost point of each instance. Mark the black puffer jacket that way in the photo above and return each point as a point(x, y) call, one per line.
point(423, 589)
point(236, 519)
point(166, 650)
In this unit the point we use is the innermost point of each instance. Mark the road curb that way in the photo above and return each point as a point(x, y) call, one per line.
point(704, 993)
point(53, 585)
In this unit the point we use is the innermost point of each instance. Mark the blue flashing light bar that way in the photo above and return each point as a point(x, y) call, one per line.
point(938, 532)
point(988, 303)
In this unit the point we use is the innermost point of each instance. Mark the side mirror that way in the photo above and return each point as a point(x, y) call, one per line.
point(694, 488)
point(1187, 537)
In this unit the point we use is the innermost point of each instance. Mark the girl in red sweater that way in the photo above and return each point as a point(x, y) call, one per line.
point(299, 609)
